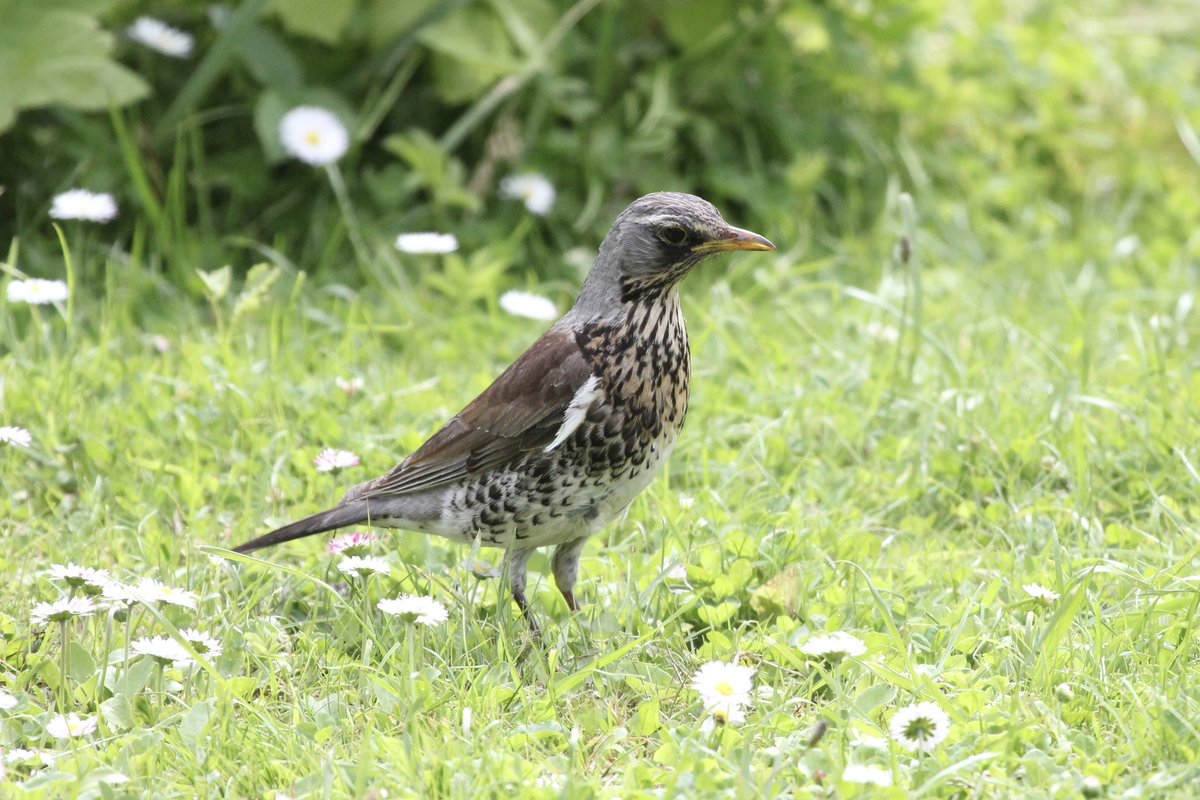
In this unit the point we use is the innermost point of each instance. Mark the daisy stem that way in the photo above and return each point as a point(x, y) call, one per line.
point(69, 263)
point(64, 689)
point(76, 758)
point(366, 622)
point(912, 318)
point(410, 647)
point(108, 626)
point(352, 228)
point(128, 633)
point(160, 686)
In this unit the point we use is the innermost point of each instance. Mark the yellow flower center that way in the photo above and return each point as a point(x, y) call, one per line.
point(313, 138)
point(724, 688)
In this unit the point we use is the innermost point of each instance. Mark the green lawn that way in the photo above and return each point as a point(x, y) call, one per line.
point(893, 450)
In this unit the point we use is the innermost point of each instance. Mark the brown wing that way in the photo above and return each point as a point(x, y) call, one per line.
point(518, 413)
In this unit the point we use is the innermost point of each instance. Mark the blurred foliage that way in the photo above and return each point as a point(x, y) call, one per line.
point(54, 52)
point(798, 118)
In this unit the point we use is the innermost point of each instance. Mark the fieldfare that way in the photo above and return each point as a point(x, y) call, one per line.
point(570, 433)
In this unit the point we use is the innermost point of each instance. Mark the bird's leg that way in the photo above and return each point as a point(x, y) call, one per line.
point(566, 569)
point(516, 562)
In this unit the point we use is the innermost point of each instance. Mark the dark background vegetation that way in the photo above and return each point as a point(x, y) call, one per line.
point(801, 119)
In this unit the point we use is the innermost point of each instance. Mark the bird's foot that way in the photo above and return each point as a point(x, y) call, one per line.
point(523, 604)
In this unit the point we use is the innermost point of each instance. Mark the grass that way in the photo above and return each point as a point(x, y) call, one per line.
point(887, 448)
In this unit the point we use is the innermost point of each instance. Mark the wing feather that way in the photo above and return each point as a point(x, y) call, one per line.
point(521, 412)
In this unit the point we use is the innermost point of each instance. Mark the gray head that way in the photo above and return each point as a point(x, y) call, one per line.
point(653, 244)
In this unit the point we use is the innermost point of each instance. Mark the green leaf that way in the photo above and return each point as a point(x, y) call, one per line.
point(432, 168)
point(268, 112)
point(268, 58)
point(388, 20)
point(472, 51)
point(781, 594)
point(48, 672)
point(117, 712)
point(873, 697)
point(715, 616)
point(91, 7)
point(647, 720)
point(216, 283)
point(690, 23)
point(54, 52)
point(317, 19)
point(80, 664)
point(191, 727)
point(132, 680)
point(646, 678)
point(242, 685)
point(257, 286)
point(527, 21)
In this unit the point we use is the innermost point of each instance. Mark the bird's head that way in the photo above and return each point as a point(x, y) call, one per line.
point(655, 242)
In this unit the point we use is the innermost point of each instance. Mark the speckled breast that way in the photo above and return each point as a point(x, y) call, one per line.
point(545, 498)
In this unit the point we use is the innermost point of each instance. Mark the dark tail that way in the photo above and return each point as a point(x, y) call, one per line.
point(348, 514)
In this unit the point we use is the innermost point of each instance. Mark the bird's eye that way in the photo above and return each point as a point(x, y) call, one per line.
point(673, 235)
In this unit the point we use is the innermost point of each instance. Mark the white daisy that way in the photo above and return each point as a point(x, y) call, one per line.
point(330, 460)
point(62, 610)
point(68, 726)
point(882, 334)
point(1127, 246)
point(920, 727)
point(118, 592)
point(834, 646)
point(37, 291)
point(350, 386)
point(867, 774)
point(870, 743)
point(526, 304)
point(724, 688)
point(150, 590)
point(314, 135)
point(19, 755)
point(85, 205)
point(481, 569)
point(8, 700)
point(10, 434)
point(415, 608)
point(89, 579)
point(364, 566)
point(352, 544)
point(202, 643)
point(158, 35)
point(549, 780)
point(1040, 593)
point(536, 191)
point(426, 243)
point(162, 649)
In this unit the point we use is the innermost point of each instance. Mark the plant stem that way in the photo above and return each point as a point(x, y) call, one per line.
point(104, 658)
point(64, 690)
point(352, 227)
point(366, 636)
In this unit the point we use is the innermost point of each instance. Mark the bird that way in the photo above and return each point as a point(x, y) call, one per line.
point(566, 437)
